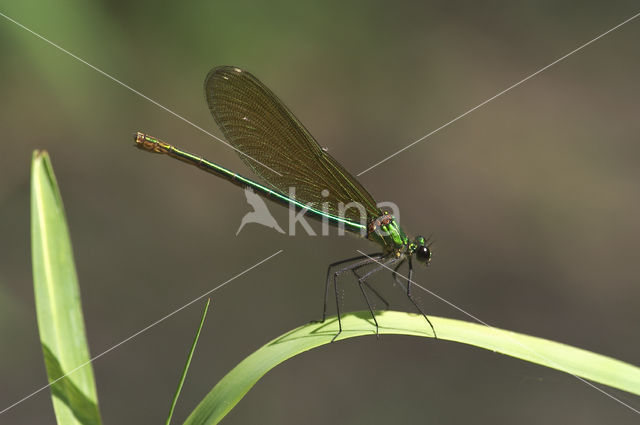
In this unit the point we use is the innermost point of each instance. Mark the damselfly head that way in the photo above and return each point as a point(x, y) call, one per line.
point(139, 139)
point(422, 251)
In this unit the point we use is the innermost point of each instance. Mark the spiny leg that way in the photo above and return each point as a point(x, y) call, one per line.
point(362, 281)
point(328, 280)
point(364, 260)
point(335, 286)
point(409, 281)
point(396, 274)
point(377, 294)
point(366, 298)
point(372, 289)
point(335, 289)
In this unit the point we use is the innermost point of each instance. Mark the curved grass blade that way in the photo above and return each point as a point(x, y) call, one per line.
point(594, 367)
point(188, 363)
point(60, 320)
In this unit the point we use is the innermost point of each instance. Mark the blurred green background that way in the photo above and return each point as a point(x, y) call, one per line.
point(533, 200)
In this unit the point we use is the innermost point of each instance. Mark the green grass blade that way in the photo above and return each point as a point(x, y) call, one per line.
point(58, 308)
point(186, 366)
point(594, 367)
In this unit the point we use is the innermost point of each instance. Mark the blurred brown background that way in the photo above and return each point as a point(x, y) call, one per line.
point(533, 199)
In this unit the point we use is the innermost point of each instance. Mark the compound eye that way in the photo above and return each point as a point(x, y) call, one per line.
point(423, 254)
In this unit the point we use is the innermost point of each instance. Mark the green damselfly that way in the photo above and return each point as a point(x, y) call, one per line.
point(279, 149)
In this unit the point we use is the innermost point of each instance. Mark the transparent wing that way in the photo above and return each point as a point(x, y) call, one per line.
point(257, 123)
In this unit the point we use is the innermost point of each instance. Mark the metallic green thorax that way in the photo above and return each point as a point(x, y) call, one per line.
point(386, 231)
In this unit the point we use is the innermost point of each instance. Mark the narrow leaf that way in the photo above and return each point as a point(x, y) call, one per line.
point(594, 367)
point(188, 363)
point(58, 308)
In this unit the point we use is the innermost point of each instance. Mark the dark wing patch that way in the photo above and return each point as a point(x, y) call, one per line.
point(257, 123)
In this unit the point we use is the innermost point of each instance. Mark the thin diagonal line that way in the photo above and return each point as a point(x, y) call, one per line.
point(138, 333)
point(496, 329)
point(501, 93)
point(134, 91)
